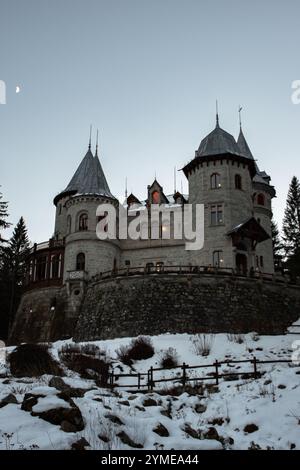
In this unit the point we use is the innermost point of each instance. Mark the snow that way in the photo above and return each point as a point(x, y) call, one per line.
point(271, 402)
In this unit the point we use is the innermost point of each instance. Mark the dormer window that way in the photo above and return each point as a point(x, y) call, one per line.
point(215, 181)
point(155, 197)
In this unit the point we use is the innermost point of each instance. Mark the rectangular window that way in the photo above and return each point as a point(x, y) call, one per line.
point(261, 261)
point(217, 258)
point(216, 214)
point(127, 262)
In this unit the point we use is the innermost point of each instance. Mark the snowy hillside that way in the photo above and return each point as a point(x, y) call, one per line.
point(239, 413)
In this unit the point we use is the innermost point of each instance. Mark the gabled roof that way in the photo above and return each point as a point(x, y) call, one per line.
point(243, 146)
point(250, 228)
point(89, 178)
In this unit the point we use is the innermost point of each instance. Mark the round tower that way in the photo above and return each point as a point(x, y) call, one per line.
point(220, 177)
point(76, 220)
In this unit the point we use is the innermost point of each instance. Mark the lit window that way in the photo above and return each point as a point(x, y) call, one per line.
point(218, 258)
point(155, 197)
point(159, 266)
point(216, 214)
point(215, 181)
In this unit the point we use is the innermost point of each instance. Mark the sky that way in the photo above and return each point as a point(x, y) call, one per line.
point(147, 73)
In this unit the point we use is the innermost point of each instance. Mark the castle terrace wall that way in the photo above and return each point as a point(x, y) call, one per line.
point(154, 304)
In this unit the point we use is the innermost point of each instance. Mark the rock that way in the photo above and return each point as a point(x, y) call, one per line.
point(128, 441)
point(281, 386)
point(59, 415)
point(67, 427)
point(212, 433)
point(267, 382)
point(29, 401)
point(150, 402)
point(80, 445)
point(140, 408)
point(161, 430)
point(191, 431)
point(103, 438)
point(216, 421)
point(166, 413)
point(114, 419)
point(249, 428)
point(6, 382)
point(67, 390)
point(199, 408)
point(9, 399)
point(124, 402)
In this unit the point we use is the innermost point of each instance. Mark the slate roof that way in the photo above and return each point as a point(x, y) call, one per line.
point(243, 146)
point(218, 142)
point(89, 178)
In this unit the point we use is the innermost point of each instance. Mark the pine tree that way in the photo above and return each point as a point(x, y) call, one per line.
point(276, 241)
point(13, 271)
point(3, 214)
point(291, 221)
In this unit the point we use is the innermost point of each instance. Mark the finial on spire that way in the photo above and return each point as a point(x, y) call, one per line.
point(90, 141)
point(96, 153)
point(175, 188)
point(217, 114)
point(240, 116)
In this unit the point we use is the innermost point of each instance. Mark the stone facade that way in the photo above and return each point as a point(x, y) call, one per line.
point(149, 305)
point(236, 196)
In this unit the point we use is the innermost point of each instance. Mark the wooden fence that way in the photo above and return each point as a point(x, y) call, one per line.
point(184, 378)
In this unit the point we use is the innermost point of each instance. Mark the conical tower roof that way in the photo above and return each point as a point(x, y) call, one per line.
point(243, 146)
point(89, 178)
point(218, 142)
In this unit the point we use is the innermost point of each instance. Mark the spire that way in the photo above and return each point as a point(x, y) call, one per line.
point(96, 152)
point(240, 116)
point(126, 190)
point(243, 145)
point(175, 186)
point(90, 140)
point(217, 114)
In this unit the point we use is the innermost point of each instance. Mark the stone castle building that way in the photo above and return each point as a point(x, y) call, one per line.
point(80, 285)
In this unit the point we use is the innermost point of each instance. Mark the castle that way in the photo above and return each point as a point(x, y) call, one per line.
point(64, 272)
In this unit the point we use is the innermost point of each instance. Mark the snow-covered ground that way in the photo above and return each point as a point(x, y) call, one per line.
point(238, 414)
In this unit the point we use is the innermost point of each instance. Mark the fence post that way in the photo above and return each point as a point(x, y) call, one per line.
point(151, 378)
point(183, 374)
point(112, 379)
point(217, 371)
point(255, 367)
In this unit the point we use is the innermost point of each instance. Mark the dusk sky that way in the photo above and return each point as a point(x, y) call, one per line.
point(147, 74)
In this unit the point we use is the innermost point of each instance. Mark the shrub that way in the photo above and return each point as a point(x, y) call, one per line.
point(32, 360)
point(86, 360)
point(238, 338)
point(203, 344)
point(139, 348)
point(169, 358)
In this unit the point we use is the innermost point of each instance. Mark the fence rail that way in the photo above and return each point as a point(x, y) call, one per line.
point(184, 378)
point(192, 270)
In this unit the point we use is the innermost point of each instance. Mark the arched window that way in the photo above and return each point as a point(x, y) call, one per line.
point(155, 197)
point(261, 199)
point(80, 262)
point(69, 223)
point(215, 181)
point(238, 182)
point(83, 222)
